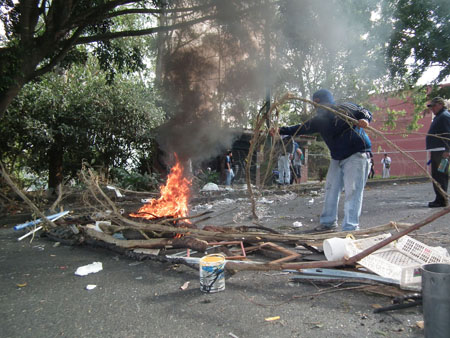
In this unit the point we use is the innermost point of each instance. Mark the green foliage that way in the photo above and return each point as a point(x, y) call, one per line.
point(322, 173)
point(421, 30)
point(42, 35)
point(318, 159)
point(392, 117)
point(135, 181)
point(207, 176)
point(88, 119)
point(114, 57)
point(332, 44)
point(442, 91)
point(31, 181)
point(420, 99)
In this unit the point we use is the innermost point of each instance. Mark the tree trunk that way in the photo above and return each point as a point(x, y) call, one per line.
point(7, 96)
point(16, 69)
point(161, 39)
point(55, 164)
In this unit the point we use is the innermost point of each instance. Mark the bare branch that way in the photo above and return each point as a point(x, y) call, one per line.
point(142, 32)
point(157, 11)
point(33, 207)
point(67, 46)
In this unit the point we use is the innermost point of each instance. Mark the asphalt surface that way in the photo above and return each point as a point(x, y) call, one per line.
point(42, 297)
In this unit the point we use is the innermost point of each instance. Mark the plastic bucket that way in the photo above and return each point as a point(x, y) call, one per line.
point(336, 248)
point(436, 299)
point(212, 278)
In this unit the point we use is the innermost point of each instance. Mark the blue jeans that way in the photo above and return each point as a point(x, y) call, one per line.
point(351, 175)
point(284, 171)
point(230, 176)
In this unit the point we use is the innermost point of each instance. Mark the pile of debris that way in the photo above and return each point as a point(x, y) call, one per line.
point(394, 258)
point(161, 230)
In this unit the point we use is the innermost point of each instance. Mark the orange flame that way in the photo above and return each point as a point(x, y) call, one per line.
point(174, 197)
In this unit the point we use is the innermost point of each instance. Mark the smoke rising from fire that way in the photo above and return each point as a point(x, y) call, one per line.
point(195, 129)
point(220, 75)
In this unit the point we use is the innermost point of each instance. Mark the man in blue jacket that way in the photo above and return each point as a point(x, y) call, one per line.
point(350, 149)
point(437, 142)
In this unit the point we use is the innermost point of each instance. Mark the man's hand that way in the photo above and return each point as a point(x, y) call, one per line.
point(363, 123)
point(445, 154)
point(273, 131)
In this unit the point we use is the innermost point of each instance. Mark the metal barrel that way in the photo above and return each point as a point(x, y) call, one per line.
point(436, 299)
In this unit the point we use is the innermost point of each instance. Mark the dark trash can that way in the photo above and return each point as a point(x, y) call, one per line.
point(436, 299)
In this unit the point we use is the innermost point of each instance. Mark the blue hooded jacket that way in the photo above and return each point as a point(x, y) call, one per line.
point(342, 139)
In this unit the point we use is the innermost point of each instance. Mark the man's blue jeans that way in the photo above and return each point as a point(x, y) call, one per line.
point(351, 175)
point(229, 177)
point(284, 171)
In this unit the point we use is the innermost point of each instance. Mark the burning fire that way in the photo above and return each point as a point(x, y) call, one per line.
point(174, 197)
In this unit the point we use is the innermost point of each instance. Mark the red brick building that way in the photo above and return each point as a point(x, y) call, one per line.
point(413, 143)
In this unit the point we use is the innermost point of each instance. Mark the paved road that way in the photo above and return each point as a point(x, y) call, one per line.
point(41, 296)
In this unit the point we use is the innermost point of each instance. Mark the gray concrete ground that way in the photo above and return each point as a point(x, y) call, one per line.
point(41, 296)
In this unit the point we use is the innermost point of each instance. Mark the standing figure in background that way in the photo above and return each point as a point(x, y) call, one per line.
point(438, 144)
point(297, 163)
point(229, 168)
point(372, 167)
point(386, 161)
point(284, 161)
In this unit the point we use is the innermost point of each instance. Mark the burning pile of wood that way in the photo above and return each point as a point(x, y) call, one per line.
point(164, 224)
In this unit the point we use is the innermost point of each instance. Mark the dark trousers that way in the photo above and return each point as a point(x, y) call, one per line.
point(441, 178)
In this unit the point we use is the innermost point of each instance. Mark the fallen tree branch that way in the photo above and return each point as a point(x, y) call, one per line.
point(253, 142)
point(154, 243)
point(250, 237)
point(350, 261)
point(33, 207)
point(58, 199)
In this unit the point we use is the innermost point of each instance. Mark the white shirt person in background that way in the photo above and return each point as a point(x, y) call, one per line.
point(386, 161)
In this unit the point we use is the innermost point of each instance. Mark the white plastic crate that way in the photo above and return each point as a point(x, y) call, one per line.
point(358, 245)
point(399, 260)
point(423, 253)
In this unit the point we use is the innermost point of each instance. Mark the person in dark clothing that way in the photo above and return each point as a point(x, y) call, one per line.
point(349, 148)
point(297, 164)
point(372, 167)
point(229, 168)
point(284, 161)
point(438, 144)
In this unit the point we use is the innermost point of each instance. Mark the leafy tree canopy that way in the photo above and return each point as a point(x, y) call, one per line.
point(42, 34)
point(419, 35)
point(78, 117)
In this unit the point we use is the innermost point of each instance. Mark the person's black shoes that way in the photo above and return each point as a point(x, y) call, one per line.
point(435, 204)
point(323, 228)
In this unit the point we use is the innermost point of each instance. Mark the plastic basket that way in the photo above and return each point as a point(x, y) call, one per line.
point(359, 245)
point(423, 253)
point(399, 260)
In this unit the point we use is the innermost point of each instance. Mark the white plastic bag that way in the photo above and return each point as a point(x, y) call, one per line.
point(90, 268)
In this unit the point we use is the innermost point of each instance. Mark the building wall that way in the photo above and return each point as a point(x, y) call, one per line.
point(412, 144)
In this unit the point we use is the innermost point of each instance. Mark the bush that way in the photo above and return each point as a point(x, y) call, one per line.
point(318, 160)
point(135, 181)
point(208, 176)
